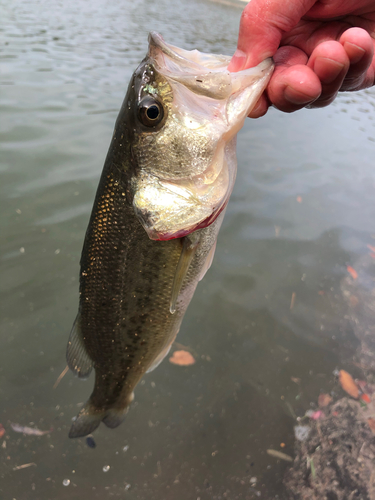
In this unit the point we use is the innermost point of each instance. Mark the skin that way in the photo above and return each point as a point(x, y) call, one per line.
point(319, 47)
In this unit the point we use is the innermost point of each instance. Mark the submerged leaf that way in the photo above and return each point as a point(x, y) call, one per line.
point(348, 384)
point(353, 273)
point(365, 398)
point(182, 358)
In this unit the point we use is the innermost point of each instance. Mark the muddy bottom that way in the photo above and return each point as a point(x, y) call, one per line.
point(335, 458)
point(336, 461)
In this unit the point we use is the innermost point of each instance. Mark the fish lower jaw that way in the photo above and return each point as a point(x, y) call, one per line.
point(158, 235)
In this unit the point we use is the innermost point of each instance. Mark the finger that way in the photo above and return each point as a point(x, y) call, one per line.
point(330, 63)
point(339, 8)
point(261, 27)
point(261, 107)
point(293, 84)
point(359, 47)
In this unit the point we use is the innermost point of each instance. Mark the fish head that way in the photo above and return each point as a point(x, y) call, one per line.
point(188, 110)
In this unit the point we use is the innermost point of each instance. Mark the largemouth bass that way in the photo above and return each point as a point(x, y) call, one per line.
point(166, 181)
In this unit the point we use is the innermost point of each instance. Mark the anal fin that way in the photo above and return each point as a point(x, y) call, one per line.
point(76, 355)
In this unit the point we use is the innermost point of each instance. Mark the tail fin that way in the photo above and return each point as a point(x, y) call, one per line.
point(89, 418)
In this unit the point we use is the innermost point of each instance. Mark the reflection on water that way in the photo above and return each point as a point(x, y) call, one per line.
point(270, 309)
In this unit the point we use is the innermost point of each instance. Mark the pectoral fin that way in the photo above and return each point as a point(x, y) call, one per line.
point(189, 247)
point(76, 355)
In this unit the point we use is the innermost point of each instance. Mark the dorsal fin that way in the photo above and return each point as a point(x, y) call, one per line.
point(76, 355)
point(189, 246)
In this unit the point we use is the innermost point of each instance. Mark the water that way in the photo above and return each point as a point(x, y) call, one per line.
point(302, 210)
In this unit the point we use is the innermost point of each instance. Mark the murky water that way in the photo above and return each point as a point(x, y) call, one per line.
point(301, 212)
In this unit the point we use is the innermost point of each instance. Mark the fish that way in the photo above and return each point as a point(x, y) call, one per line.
point(161, 199)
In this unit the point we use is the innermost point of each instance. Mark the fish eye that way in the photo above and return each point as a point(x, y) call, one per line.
point(150, 111)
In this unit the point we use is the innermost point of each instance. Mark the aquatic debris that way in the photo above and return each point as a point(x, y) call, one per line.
point(365, 398)
point(182, 358)
point(317, 415)
point(2, 431)
point(314, 415)
point(312, 467)
point(348, 384)
point(302, 432)
point(292, 300)
point(106, 468)
point(90, 442)
point(296, 380)
point(66, 482)
point(324, 400)
point(62, 374)
point(24, 466)
point(30, 431)
point(353, 273)
point(280, 455)
point(371, 423)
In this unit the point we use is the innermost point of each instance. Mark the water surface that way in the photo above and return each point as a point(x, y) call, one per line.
point(302, 210)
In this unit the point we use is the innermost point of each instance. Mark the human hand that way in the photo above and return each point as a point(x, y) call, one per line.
point(319, 48)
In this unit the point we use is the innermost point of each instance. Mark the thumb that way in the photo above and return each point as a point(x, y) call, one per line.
point(263, 23)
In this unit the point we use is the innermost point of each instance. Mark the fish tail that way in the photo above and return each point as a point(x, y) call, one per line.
point(114, 417)
point(89, 418)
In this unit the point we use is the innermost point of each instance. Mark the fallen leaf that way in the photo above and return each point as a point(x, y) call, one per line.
point(2, 431)
point(280, 454)
point(30, 431)
point(366, 398)
point(299, 199)
point(371, 423)
point(348, 384)
point(353, 273)
point(324, 400)
point(182, 358)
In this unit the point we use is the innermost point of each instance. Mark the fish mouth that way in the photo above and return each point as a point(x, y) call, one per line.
point(208, 102)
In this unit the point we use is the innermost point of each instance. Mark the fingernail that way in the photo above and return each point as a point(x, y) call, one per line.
point(297, 98)
point(320, 67)
point(355, 53)
point(238, 61)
